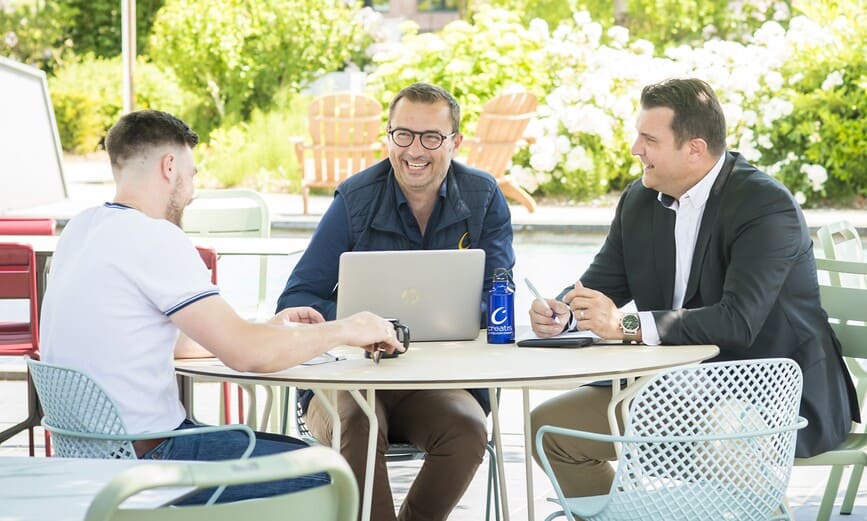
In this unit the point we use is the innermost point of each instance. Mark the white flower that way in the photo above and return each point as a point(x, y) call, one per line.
point(800, 198)
point(619, 35)
point(816, 174)
point(11, 39)
point(834, 79)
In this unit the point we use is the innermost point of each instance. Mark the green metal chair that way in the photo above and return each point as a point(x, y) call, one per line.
point(84, 422)
point(847, 312)
point(337, 501)
point(711, 442)
point(235, 213)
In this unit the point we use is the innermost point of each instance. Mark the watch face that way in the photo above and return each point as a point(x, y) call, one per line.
point(630, 322)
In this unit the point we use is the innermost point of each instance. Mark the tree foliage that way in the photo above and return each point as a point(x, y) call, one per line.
point(95, 25)
point(237, 53)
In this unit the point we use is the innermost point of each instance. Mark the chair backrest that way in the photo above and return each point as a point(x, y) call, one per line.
point(337, 501)
point(209, 257)
point(231, 213)
point(726, 454)
point(74, 403)
point(18, 282)
point(847, 313)
point(840, 241)
point(227, 213)
point(345, 130)
point(27, 226)
point(501, 127)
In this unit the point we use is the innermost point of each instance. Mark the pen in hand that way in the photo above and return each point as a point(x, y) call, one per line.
point(541, 299)
point(376, 355)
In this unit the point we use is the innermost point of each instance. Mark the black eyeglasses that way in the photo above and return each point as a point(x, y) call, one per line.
point(429, 139)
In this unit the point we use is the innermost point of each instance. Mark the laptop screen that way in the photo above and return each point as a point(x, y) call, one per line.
point(436, 293)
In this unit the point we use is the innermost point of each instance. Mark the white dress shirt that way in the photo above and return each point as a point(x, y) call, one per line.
point(688, 211)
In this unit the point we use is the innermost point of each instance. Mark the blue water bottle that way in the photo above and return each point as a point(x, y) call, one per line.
point(501, 309)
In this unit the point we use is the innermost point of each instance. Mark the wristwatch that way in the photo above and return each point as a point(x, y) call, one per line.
point(630, 324)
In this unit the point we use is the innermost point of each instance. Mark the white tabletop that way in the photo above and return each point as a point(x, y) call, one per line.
point(61, 489)
point(445, 365)
point(46, 244)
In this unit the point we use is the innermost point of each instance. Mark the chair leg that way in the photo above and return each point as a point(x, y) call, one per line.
point(305, 197)
point(827, 504)
point(513, 191)
point(852, 489)
point(493, 486)
point(34, 417)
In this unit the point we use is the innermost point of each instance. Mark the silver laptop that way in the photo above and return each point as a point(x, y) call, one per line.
point(436, 293)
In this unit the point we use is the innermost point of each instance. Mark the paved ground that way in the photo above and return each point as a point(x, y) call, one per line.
point(89, 183)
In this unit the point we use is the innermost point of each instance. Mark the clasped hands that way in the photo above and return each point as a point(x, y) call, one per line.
point(591, 310)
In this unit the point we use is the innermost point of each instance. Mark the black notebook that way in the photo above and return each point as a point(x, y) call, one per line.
point(567, 339)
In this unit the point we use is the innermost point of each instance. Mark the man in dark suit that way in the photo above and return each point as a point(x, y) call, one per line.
point(712, 251)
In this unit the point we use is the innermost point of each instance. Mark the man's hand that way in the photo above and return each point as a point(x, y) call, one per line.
point(542, 319)
point(371, 332)
point(304, 315)
point(594, 311)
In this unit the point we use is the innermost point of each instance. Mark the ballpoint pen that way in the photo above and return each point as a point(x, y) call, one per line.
point(541, 299)
point(376, 355)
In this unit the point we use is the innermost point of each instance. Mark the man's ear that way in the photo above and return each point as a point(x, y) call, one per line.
point(167, 166)
point(697, 148)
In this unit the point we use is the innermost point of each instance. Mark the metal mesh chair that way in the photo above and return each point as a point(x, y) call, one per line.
point(336, 501)
point(711, 442)
point(84, 421)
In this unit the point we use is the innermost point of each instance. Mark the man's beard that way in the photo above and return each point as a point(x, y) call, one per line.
point(175, 208)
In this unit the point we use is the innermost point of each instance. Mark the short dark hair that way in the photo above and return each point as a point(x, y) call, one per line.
point(429, 94)
point(697, 112)
point(137, 131)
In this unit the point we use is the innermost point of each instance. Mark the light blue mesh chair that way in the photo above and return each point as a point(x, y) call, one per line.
point(336, 501)
point(711, 442)
point(84, 422)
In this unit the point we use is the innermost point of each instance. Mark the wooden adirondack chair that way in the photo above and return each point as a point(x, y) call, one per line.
point(344, 129)
point(498, 134)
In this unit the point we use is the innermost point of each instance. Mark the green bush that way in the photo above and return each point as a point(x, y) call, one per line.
point(87, 99)
point(95, 25)
point(237, 53)
point(819, 149)
point(257, 153)
point(473, 62)
point(35, 36)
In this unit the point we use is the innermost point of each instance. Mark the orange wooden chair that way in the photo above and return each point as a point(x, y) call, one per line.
point(498, 134)
point(344, 131)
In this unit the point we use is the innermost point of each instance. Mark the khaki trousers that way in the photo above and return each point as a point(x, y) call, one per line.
point(448, 424)
point(582, 466)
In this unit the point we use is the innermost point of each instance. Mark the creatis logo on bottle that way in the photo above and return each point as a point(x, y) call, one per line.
point(501, 307)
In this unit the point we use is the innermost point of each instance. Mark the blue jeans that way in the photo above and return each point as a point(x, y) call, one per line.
point(226, 445)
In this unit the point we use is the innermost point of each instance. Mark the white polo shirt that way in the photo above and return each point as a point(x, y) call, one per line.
point(116, 278)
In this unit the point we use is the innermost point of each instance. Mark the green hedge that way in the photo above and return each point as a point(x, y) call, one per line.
point(87, 99)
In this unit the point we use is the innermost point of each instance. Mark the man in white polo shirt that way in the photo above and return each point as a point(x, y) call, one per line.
point(128, 290)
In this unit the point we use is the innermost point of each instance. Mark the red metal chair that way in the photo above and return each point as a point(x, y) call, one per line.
point(27, 226)
point(18, 281)
point(210, 257)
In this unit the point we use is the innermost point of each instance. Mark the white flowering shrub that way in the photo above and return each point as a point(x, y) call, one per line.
point(802, 123)
point(818, 148)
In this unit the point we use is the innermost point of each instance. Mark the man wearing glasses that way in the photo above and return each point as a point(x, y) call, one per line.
point(418, 198)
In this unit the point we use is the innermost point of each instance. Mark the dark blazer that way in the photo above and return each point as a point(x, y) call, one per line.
point(752, 288)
